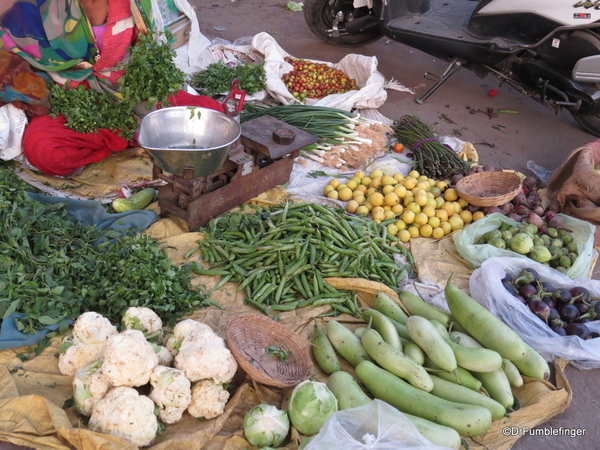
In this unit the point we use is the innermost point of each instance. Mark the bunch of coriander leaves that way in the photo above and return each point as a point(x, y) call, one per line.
point(150, 77)
point(51, 268)
point(217, 77)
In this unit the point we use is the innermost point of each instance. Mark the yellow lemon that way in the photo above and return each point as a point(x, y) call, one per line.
point(431, 202)
point(333, 194)
point(457, 207)
point(446, 227)
point(378, 215)
point(423, 185)
point(451, 195)
point(377, 173)
point(362, 210)
point(466, 216)
point(357, 180)
point(359, 174)
point(414, 207)
point(434, 222)
point(360, 199)
point(439, 201)
point(398, 177)
point(431, 182)
point(398, 209)
point(430, 195)
point(414, 173)
point(425, 230)
point(404, 235)
point(351, 184)
point(376, 182)
point(391, 199)
point(422, 178)
point(387, 208)
point(408, 217)
point(401, 224)
point(361, 188)
point(429, 211)
point(370, 190)
point(389, 214)
point(478, 215)
point(441, 185)
point(421, 218)
point(463, 203)
point(377, 209)
point(352, 206)
point(387, 189)
point(400, 191)
point(387, 180)
point(335, 182)
point(341, 186)
point(366, 181)
point(448, 207)
point(368, 205)
point(421, 198)
point(438, 233)
point(414, 231)
point(392, 229)
point(409, 183)
point(328, 188)
point(456, 223)
point(435, 191)
point(376, 198)
point(442, 214)
point(345, 194)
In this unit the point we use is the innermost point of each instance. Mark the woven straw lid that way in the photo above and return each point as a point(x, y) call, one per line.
point(248, 337)
point(489, 188)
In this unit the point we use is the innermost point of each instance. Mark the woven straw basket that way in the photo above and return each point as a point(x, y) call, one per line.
point(489, 188)
point(249, 335)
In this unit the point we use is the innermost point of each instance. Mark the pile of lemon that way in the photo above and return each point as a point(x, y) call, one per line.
point(412, 205)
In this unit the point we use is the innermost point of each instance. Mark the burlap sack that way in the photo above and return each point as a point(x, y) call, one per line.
point(576, 185)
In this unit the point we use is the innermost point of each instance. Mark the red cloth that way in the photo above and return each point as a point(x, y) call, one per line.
point(57, 150)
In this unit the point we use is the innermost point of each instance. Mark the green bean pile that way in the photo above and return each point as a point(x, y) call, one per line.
point(280, 255)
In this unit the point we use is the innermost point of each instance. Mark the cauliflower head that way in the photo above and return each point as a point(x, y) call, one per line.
point(184, 329)
point(165, 358)
point(92, 328)
point(171, 391)
point(208, 400)
point(78, 356)
point(143, 319)
point(126, 414)
point(128, 359)
point(89, 386)
point(208, 361)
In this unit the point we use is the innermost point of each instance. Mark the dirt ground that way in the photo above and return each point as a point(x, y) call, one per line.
point(535, 134)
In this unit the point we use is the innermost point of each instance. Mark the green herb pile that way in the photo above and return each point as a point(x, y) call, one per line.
point(150, 77)
point(51, 269)
point(216, 78)
point(281, 255)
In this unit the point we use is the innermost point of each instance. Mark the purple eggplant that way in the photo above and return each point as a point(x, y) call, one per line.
point(578, 329)
point(582, 307)
point(559, 330)
point(509, 287)
point(547, 287)
point(527, 276)
point(507, 278)
point(594, 334)
point(580, 294)
point(568, 313)
point(549, 301)
point(561, 296)
point(520, 298)
point(553, 314)
point(540, 309)
point(528, 291)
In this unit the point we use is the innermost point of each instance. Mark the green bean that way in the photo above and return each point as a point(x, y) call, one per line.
point(199, 271)
point(223, 280)
point(328, 301)
point(341, 308)
point(257, 305)
point(285, 306)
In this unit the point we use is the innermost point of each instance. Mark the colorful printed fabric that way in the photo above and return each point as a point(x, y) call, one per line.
point(21, 86)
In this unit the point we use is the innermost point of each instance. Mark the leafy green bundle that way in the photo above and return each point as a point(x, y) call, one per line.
point(51, 269)
point(216, 78)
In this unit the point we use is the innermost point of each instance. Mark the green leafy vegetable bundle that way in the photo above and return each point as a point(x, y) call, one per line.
point(216, 78)
point(51, 269)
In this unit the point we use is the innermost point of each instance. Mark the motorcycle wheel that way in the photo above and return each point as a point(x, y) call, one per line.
point(320, 14)
point(589, 122)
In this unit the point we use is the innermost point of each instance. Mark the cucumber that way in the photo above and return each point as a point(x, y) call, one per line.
point(385, 305)
point(394, 361)
point(425, 335)
point(384, 327)
point(468, 420)
point(512, 373)
point(418, 307)
point(476, 359)
point(457, 393)
point(323, 352)
point(360, 330)
point(139, 200)
point(346, 343)
point(346, 390)
point(532, 365)
point(497, 386)
point(438, 434)
point(461, 377)
point(484, 326)
point(464, 339)
point(414, 352)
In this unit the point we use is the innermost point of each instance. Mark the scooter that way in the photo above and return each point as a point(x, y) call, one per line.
point(547, 49)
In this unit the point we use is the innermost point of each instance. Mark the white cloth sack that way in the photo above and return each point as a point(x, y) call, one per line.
point(12, 126)
point(486, 287)
point(476, 254)
point(374, 426)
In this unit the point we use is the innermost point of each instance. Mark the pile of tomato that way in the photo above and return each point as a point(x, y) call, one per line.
point(316, 80)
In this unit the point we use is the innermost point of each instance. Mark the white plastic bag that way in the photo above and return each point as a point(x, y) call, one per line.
point(374, 426)
point(476, 254)
point(12, 126)
point(486, 287)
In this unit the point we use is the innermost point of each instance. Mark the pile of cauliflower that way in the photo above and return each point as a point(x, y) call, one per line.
point(187, 373)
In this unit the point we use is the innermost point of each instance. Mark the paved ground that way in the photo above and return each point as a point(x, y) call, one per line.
point(535, 134)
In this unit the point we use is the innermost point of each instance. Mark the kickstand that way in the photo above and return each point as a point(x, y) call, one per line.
point(453, 67)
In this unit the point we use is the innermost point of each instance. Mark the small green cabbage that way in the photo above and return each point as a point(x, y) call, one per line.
point(540, 254)
point(521, 243)
point(266, 426)
point(497, 242)
point(530, 229)
point(494, 234)
point(311, 403)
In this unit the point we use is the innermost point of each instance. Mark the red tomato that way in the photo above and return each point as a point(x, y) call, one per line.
point(492, 92)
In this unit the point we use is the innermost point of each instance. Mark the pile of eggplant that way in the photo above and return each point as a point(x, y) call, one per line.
point(565, 311)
